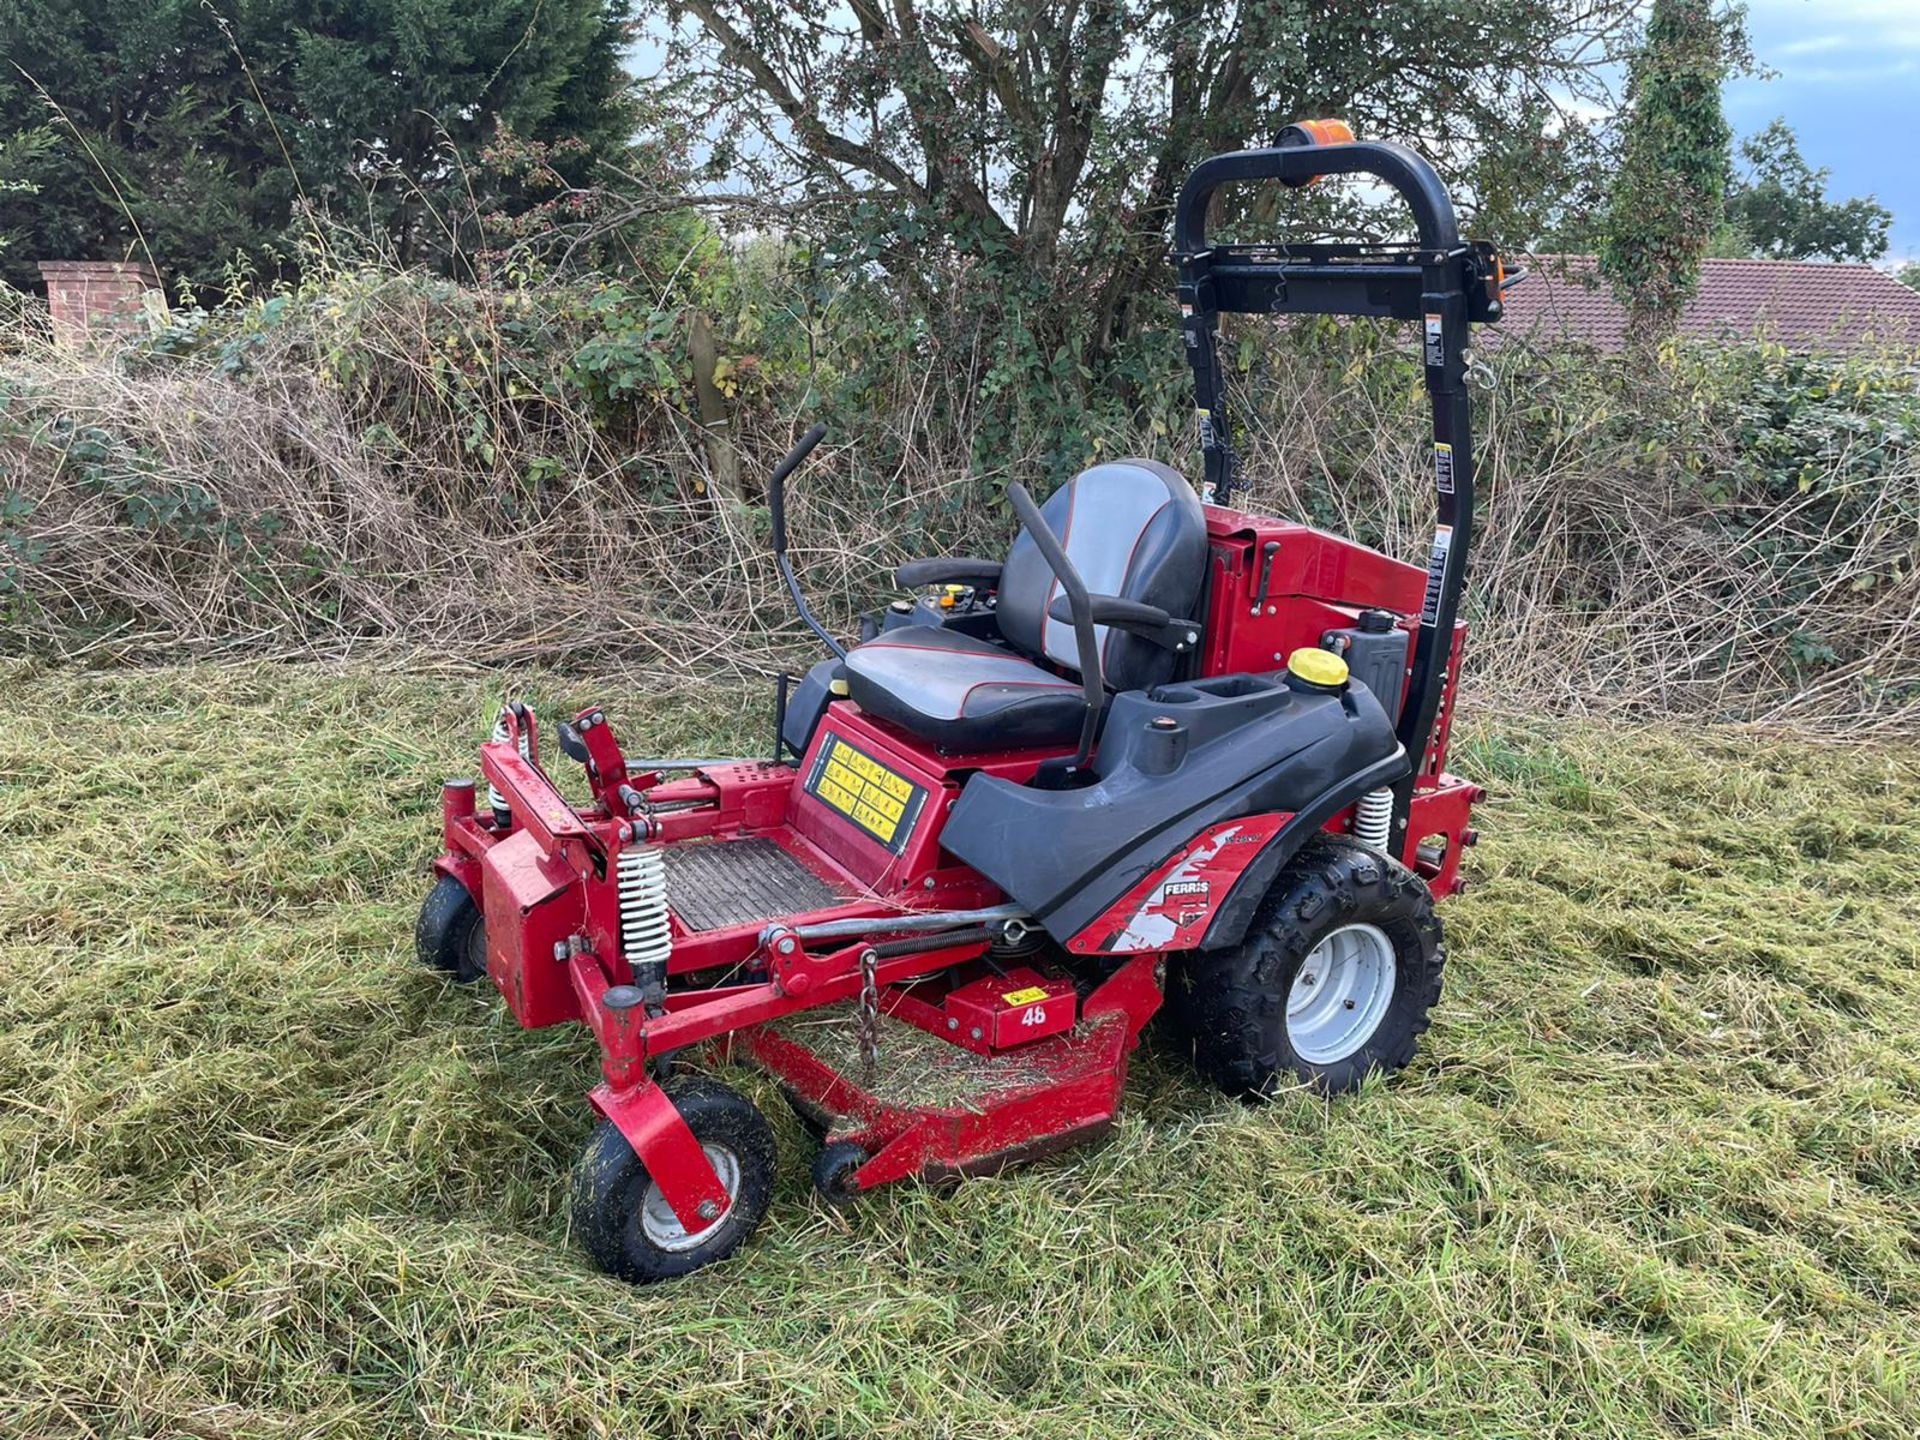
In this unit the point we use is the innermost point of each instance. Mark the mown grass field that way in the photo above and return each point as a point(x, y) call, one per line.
point(1656, 1172)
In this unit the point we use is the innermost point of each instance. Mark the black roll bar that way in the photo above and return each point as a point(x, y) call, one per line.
point(1400, 167)
point(1440, 282)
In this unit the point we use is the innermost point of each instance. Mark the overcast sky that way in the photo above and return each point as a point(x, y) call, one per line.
point(1848, 82)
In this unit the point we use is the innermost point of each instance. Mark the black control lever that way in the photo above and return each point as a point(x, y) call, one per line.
point(1080, 603)
point(777, 508)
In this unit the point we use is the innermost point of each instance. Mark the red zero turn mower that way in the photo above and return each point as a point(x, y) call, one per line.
point(1164, 748)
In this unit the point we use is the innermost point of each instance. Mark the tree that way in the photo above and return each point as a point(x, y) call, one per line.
point(1779, 209)
point(201, 131)
point(1909, 274)
point(1049, 140)
point(1669, 193)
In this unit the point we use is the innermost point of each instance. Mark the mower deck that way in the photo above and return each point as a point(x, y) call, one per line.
point(931, 1109)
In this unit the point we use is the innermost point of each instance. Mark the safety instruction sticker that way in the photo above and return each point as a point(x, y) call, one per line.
point(1024, 997)
point(878, 800)
point(1436, 338)
point(1436, 572)
point(1443, 467)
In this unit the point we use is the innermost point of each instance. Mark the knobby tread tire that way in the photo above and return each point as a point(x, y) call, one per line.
point(1231, 1004)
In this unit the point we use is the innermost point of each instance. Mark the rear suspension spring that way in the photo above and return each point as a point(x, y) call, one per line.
point(1373, 819)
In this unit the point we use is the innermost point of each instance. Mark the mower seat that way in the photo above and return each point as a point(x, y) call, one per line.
point(1134, 529)
point(961, 693)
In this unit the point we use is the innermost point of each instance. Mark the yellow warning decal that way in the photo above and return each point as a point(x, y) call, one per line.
point(1024, 997)
point(880, 801)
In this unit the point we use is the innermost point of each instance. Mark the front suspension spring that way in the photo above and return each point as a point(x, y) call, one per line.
point(645, 938)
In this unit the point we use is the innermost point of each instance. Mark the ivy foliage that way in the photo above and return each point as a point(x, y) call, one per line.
point(1669, 192)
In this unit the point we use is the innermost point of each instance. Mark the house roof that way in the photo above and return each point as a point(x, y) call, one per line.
point(1806, 304)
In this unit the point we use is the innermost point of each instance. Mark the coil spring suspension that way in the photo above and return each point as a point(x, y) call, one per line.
point(503, 812)
point(644, 937)
point(1373, 819)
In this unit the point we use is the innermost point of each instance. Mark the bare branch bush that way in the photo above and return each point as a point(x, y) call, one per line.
point(365, 479)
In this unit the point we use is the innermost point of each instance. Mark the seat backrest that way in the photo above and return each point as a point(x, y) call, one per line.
point(1133, 528)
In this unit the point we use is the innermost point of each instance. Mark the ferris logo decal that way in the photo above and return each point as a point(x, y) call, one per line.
point(1182, 901)
point(1171, 908)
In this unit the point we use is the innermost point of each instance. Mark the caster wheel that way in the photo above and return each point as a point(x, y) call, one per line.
point(833, 1171)
point(451, 934)
point(623, 1220)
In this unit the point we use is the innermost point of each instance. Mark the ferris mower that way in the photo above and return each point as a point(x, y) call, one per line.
point(1163, 749)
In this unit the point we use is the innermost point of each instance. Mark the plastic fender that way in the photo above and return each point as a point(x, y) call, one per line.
point(1171, 907)
point(1233, 914)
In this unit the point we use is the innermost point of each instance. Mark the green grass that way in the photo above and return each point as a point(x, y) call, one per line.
point(1655, 1172)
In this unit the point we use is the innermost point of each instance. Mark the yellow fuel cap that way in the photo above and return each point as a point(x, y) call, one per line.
point(1318, 667)
point(839, 687)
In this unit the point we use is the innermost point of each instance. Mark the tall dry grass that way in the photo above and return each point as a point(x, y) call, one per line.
point(390, 466)
point(1635, 557)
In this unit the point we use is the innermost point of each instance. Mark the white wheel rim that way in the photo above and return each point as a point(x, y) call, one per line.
point(1340, 994)
point(663, 1228)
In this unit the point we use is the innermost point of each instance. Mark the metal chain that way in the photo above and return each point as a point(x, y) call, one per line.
point(869, 1012)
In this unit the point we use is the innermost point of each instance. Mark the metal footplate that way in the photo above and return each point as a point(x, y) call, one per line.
point(731, 882)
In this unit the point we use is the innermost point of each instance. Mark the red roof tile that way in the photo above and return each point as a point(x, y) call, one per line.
point(1807, 304)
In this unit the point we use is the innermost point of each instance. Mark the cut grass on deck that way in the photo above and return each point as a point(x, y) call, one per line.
point(1656, 1171)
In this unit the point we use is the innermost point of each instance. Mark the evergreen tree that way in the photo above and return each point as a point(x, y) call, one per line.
point(1668, 196)
point(200, 131)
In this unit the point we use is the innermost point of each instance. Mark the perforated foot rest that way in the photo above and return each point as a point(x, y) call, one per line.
point(719, 883)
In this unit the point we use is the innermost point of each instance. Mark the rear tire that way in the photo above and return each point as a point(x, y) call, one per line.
point(451, 934)
point(1334, 982)
point(622, 1219)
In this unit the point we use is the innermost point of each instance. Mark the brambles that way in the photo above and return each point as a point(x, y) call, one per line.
point(393, 463)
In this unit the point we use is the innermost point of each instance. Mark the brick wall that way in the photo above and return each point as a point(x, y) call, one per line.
point(90, 300)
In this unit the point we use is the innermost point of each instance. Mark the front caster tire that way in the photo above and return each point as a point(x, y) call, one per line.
point(1334, 982)
point(625, 1223)
point(451, 934)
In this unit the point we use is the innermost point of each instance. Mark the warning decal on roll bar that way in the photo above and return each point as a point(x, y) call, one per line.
point(1436, 569)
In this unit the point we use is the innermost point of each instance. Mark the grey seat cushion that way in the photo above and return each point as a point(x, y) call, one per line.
point(1133, 528)
point(961, 693)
